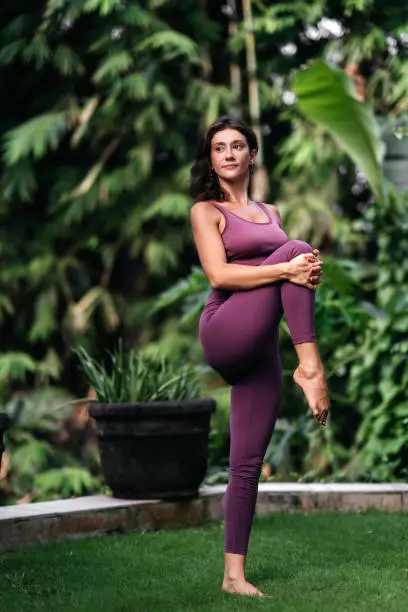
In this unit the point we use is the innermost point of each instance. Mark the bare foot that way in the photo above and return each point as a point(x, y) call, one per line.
point(313, 384)
point(240, 587)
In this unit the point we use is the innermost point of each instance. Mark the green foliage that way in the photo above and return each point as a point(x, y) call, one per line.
point(190, 293)
point(326, 96)
point(172, 45)
point(379, 376)
point(35, 137)
point(90, 182)
point(15, 365)
point(139, 377)
point(38, 467)
point(65, 482)
point(99, 130)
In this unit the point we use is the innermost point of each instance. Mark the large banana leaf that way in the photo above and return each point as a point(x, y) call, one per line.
point(325, 96)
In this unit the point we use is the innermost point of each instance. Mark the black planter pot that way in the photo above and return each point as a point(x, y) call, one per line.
point(154, 450)
point(4, 423)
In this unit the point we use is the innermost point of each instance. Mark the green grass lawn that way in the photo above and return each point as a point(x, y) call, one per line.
point(309, 563)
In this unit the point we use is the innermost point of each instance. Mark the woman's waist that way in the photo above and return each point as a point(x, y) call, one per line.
point(218, 296)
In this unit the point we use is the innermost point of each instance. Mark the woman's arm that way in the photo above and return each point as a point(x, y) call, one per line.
point(223, 275)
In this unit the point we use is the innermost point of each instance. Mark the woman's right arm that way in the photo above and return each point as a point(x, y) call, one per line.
point(223, 275)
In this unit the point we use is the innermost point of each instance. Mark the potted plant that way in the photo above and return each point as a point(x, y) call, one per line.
point(152, 424)
point(4, 423)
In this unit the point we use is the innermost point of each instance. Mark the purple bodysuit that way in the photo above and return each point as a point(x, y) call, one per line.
point(238, 331)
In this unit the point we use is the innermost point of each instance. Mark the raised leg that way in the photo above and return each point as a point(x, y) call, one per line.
point(235, 337)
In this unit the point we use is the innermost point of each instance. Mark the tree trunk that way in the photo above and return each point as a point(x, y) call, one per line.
point(260, 182)
point(235, 70)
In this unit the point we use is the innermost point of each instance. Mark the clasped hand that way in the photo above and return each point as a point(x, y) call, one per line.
point(306, 269)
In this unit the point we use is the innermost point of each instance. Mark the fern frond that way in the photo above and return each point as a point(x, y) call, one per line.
point(66, 481)
point(149, 120)
point(49, 367)
point(40, 411)
point(30, 458)
point(14, 366)
point(16, 26)
point(34, 137)
point(37, 51)
point(159, 257)
point(136, 86)
point(45, 315)
point(8, 53)
point(115, 64)
point(135, 15)
point(67, 61)
point(18, 181)
point(171, 45)
point(162, 97)
point(170, 205)
point(6, 306)
point(208, 99)
point(39, 268)
point(103, 7)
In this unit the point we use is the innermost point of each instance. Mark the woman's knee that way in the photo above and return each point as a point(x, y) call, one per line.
point(298, 247)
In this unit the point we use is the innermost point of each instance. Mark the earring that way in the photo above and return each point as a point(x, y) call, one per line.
point(251, 167)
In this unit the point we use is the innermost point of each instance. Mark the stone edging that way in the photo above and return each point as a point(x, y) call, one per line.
point(84, 516)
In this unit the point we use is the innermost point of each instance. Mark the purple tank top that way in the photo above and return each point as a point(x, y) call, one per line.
point(246, 242)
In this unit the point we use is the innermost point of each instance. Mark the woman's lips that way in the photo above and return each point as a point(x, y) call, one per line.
point(231, 166)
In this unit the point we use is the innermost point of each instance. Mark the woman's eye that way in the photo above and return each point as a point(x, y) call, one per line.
point(238, 146)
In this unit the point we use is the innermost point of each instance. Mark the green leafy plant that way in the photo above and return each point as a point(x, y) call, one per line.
point(326, 96)
point(378, 379)
point(40, 463)
point(136, 376)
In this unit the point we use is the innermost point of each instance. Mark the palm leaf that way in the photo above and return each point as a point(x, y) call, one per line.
point(325, 96)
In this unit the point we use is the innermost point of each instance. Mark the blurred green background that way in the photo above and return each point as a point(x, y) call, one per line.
point(102, 103)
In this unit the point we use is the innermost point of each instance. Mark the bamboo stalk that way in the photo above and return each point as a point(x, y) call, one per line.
point(260, 183)
point(234, 68)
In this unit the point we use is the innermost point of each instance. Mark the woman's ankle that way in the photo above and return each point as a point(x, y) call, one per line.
point(311, 369)
point(234, 568)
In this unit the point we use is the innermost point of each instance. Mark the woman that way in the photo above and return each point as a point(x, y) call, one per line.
point(256, 274)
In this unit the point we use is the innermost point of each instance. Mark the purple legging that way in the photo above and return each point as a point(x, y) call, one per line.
point(240, 341)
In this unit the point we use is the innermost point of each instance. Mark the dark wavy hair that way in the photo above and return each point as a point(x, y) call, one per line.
point(204, 184)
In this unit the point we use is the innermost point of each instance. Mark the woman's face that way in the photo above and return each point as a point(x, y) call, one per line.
point(230, 154)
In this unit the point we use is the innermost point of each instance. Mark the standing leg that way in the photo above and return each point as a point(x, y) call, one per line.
point(255, 402)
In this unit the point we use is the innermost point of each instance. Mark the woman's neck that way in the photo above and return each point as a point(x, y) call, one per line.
point(237, 192)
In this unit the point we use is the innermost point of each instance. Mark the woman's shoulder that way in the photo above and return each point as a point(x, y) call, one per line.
point(274, 210)
point(203, 209)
